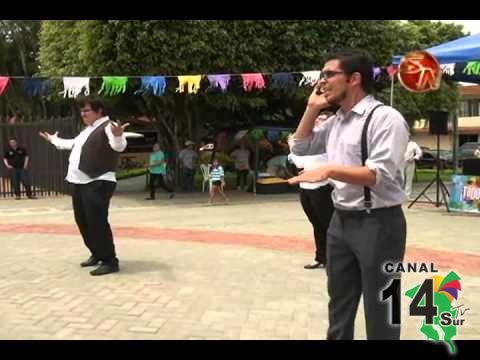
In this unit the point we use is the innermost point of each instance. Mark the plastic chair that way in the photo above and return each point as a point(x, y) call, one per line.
point(206, 176)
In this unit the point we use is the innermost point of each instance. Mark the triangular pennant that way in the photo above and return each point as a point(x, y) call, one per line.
point(281, 80)
point(448, 69)
point(192, 82)
point(74, 86)
point(253, 81)
point(4, 82)
point(392, 70)
point(155, 85)
point(114, 85)
point(310, 78)
point(219, 81)
point(37, 87)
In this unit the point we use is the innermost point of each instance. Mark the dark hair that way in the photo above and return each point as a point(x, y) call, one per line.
point(12, 138)
point(95, 103)
point(356, 60)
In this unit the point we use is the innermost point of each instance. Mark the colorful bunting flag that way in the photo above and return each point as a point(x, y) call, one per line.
point(219, 81)
point(74, 86)
point(37, 87)
point(310, 78)
point(4, 81)
point(253, 81)
point(377, 73)
point(192, 82)
point(392, 70)
point(448, 69)
point(114, 85)
point(155, 85)
point(282, 80)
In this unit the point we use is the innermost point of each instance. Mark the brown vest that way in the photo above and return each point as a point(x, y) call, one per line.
point(97, 157)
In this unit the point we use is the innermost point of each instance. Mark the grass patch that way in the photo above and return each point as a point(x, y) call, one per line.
point(427, 175)
point(130, 173)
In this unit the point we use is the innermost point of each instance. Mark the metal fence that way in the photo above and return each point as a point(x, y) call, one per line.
point(47, 165)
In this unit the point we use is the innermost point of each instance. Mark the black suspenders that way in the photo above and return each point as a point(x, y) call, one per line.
point(366, 190)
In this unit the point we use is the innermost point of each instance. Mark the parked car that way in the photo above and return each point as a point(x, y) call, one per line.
point(429, 159)
point(467, 149)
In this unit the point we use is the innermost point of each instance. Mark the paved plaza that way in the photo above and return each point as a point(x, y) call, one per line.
point(192, 271)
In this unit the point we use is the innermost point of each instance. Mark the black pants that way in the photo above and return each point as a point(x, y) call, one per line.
point(20, 175)
point(358, 246)
point(90, 205)
point(158, 179)
point(241, 178)
point(188, 176)
point(318, 207)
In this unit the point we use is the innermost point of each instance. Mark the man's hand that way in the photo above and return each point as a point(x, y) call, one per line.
point(47, 136)
point(9, 166)
point(118, 128)
point(317, 99)
point(312, 176)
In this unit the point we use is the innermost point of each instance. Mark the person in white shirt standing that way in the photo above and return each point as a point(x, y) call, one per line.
point(91, 171)
point(316, 198)
point(241, 156)
point(476, 153)
point(414, 152)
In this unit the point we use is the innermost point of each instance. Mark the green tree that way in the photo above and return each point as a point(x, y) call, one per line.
point(18, 51)
point(175, 47)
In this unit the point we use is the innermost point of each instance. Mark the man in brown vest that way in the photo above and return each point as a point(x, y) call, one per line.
point(91, 171)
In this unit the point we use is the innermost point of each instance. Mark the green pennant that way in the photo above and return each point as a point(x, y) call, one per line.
point(258, 134)
point(284, 135)
point(114, 85)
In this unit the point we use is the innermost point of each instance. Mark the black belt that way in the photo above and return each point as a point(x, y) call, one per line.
point(353, 213)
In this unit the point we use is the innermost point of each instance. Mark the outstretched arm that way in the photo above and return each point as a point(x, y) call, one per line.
point(59, 143)
point(116, 136)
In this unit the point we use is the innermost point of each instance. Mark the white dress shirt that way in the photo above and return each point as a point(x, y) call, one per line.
point(74, 175)
point(387, 139)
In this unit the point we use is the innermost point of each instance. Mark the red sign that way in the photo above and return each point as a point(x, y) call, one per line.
point(420, 72)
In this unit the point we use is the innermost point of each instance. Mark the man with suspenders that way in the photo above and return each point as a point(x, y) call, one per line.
point(365, 143)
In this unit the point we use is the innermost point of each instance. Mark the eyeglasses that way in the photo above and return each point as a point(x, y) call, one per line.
point(327, 74)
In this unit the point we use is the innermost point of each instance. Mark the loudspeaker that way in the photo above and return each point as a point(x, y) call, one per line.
point(438, 122)
point(471, 167)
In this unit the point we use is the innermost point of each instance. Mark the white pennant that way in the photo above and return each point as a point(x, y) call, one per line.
point(73, 86)
point(309, 78)
point(448, 69)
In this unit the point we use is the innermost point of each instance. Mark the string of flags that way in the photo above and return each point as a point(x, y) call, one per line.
point(192, 84)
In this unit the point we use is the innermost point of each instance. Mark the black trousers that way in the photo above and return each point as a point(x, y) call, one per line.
point(158, 179)
point(188, 179)
point(242, 178)
point(358, 246)
point(20, 175)
point(318, 207)
point(90, 205)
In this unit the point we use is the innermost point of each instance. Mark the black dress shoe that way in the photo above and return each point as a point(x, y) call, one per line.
point(314, 265)
point(105, 268)
point(90, 262)
point(149, 198)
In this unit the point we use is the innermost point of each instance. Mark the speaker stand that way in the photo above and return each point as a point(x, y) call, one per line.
point(439, 185)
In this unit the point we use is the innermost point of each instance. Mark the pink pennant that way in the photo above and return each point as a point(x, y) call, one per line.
point(392, 70)
point(4, 81)
point(253, 81)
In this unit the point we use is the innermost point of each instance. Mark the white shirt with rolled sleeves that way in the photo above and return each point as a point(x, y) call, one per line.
point(74, 175)
point(387, 139)
point(309, 162)
point(414, 152)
